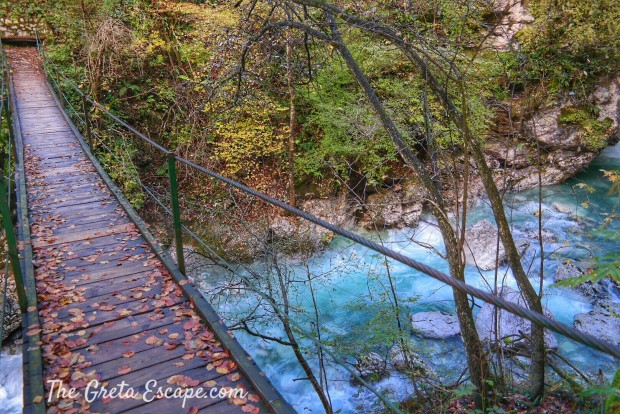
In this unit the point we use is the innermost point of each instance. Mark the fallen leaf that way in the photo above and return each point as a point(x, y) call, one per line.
point(189, 325)
point(234, 377)
point(249, 408)
point(153, 340)
point(125, 369)
point(182, 381)
point(239, 401)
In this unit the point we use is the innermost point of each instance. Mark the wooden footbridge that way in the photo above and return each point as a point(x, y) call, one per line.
point(111, 325)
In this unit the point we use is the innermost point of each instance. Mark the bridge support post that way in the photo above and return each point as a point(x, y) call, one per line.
point(5, 201)
point(5, 210)
point(176, 210)
point(89, 134)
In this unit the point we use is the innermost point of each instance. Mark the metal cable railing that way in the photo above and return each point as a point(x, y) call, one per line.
point(500, 302)
point(6, 165)
point(5, 278)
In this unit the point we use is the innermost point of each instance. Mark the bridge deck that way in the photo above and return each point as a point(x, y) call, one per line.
point(109, 309)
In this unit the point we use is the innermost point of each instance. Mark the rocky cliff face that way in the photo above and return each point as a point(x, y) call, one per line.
point(563, 138)
point(13, 27)
point(512, 16)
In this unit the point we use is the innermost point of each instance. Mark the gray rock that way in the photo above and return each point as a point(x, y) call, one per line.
point(602, 322)
point(510, 325)
point(412, 365)
point(282, 227)
point(435, 325)
point(481, 246)
point(371, 365)
point(606, 97)
point(12, 319)
point(334, 210)
point(514, 16)
point(566, 271)
point(601, 290)
point(545, 128)
point(393, 208)
point(563, 208)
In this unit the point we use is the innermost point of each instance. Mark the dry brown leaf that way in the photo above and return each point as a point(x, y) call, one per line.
point(125, 369)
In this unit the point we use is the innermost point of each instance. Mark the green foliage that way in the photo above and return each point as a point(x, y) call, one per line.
point(15, 9)
point(122, 170)
point(340, 131)
point(607, 266)
point(595, 131)
point(253, 136)
point(612, 405)
point(572, 42)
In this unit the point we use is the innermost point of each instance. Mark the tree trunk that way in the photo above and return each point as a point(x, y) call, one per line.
point(292, 134)
point(537, 373)
point(284, 289)
point(477, 362)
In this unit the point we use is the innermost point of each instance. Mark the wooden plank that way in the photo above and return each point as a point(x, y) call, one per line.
point(129, 326)
point(95, 242)
point(120, 300)
point(78, 236)
point(66, 201)
point(135, 342)
point(105, 245)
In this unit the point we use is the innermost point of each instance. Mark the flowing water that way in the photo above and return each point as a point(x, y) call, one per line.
point(11, 385)
point(350, 288)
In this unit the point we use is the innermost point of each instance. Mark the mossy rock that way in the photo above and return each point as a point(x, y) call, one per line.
point(585, 118)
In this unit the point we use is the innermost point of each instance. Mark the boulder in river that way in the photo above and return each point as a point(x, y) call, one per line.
point(481, 247)
point(435, 325)
point(602, 322)
point(408, 362)
point(596, 291)
point(510, 326)
point(396, 207)
point(371, 366)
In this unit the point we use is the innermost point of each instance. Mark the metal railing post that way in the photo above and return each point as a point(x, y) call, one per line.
point(5, 210)
point(176, 210)
point(89, 134)
point(5, 203)
point(58, 83)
